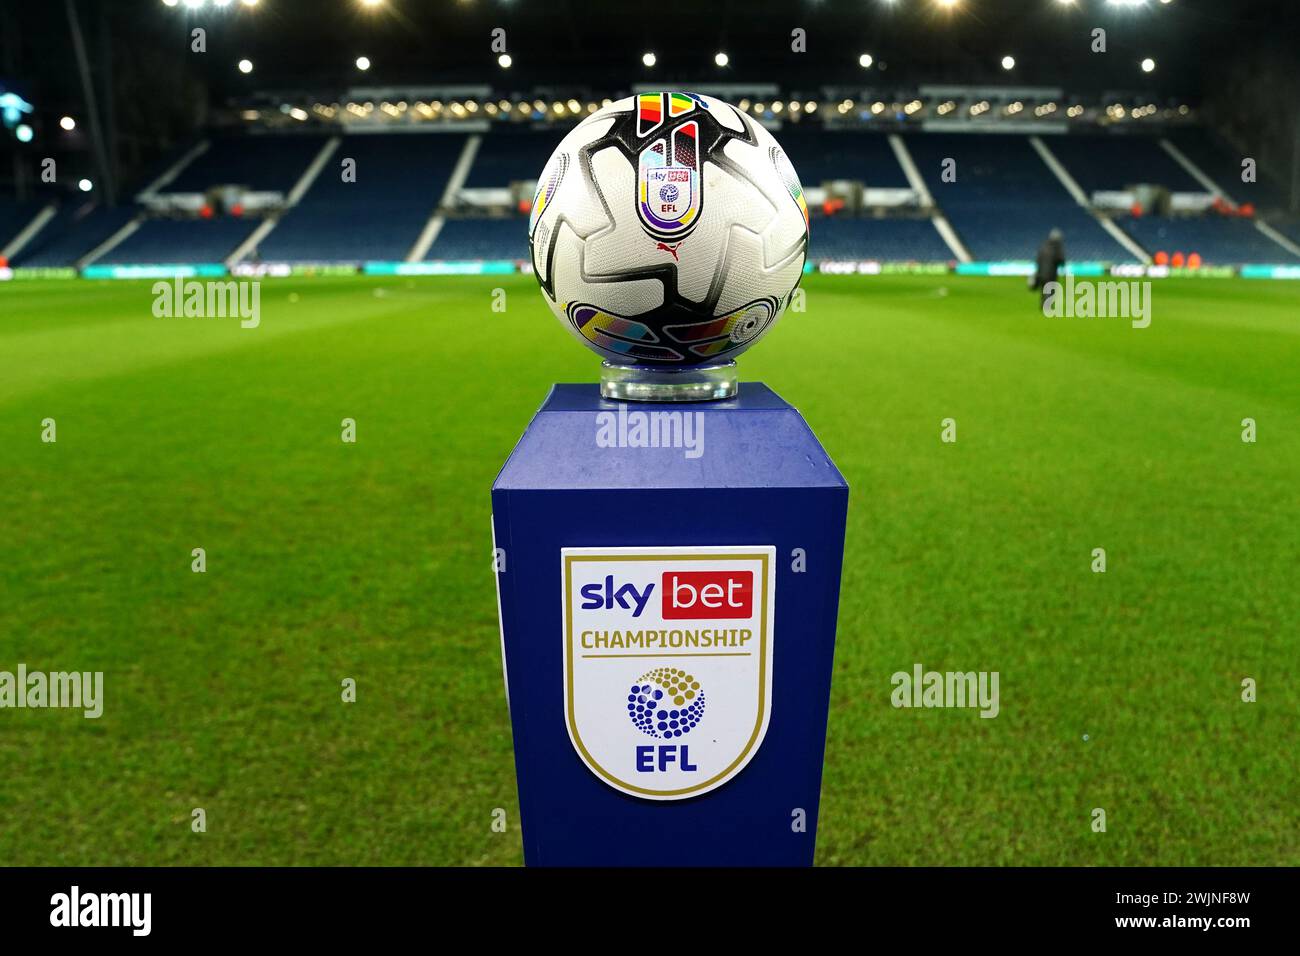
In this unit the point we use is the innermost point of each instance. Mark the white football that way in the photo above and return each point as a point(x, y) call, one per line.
point(668, 229)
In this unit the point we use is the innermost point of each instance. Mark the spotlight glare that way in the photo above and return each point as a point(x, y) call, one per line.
point(504, 61)
point(721, 59)
point(363, 63)
point(865, 61)
point(68, 123)
point(245, 66)
point(1008, 63)
point(249, 3)
point(649, 59)
point(85, 185)
point(23, 132)
point(1148, 65)
point(170, 3)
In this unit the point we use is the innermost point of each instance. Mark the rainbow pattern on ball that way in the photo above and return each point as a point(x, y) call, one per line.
point(546, 190)
point(650, 109)
point(619, 334)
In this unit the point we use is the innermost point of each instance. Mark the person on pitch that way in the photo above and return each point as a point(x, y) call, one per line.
point(1051, 257)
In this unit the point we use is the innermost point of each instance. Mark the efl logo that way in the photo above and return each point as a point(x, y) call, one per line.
point(668, 663)
point(708, 595)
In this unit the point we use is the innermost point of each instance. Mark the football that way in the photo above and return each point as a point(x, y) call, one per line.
point(668, 230)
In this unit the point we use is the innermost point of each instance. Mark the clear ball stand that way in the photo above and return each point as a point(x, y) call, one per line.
point(642, 383)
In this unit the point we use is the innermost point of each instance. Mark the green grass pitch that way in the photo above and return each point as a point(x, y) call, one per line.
point(327, 560)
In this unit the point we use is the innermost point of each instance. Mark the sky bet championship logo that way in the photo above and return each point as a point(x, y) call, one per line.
point(668, 663)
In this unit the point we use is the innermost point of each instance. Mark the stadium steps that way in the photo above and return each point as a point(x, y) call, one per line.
point(1004, 200)
point(111, 243)
point(165, 240)
point(1181, 158)
point(304, 183)
point(261, 162)
point(1077, 194)
point(76, 228)
point(1278, 237)
point(1195, 171)
point(169, 174)
point(1221, 161)
point(379, 215)
point(459, 174)
point(917, 182)
point(28, 232)
point(313, 170)
point(1218, 240)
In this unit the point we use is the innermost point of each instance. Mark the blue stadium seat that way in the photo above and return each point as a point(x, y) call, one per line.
point(266, 162)
point(1222, 164)
point(14, 217)
point(1219, 240)
point(1117, 161)
point(1289, 229)
point(820, 155)
point(180, 241)
point(512, 155)
point(899, 240)
point(74, 231)
point(482, 239)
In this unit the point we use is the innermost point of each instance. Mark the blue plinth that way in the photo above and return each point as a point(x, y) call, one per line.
point(707, 571)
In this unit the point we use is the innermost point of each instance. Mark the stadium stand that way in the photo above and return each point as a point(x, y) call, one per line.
point(400, 181)
point(509, 155)
point(1103, 162)
point(462, 239)
point(1003, 203)
point(180, 240)
point(73, 232)
point(1004, 200)
point(1289, 229)
point(262, 162)
point(820, 156)
point(852, 238)
point(1223, 165)
point(14, 217)
point(1218, 240)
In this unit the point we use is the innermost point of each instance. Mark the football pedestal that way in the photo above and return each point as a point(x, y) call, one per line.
point(668, 628)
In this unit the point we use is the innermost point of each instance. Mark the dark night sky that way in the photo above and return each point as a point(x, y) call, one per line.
point(306, 49)
point(306, 43)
